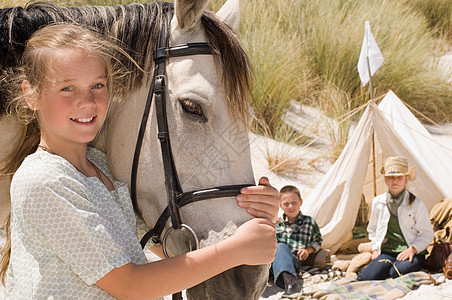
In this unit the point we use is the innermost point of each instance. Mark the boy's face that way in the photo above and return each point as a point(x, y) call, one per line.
point(290, 204)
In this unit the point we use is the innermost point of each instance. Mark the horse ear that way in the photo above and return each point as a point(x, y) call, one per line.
point(189, 12)
point(230, 13)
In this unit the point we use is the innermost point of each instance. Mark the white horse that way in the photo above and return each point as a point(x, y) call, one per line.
point(207, 120)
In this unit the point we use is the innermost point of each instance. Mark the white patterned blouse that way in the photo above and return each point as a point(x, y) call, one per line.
point(67, 230)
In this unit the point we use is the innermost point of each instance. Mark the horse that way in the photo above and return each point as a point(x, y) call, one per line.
point(207, 115)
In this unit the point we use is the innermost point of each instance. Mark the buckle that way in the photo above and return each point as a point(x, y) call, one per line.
point(186, 235)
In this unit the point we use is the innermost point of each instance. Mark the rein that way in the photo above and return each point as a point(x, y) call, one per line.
point(176, 197)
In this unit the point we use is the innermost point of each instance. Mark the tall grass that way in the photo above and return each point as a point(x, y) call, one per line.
point(308, 50)
point(438, 14)
point(330, 35)
point(278, 61)
point(334, 32)
point(282, 159)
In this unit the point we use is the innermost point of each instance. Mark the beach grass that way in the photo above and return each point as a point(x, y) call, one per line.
point(308, 51)
point(438, 14)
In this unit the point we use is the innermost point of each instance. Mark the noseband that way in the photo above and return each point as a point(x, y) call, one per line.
point(176, 197)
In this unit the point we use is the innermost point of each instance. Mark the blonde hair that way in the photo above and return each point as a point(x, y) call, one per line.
point(36, 67)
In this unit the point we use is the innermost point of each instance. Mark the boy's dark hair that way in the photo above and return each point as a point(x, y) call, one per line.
point(290, 189)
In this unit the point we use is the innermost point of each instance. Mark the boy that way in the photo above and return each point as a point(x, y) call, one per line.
point(299, 240)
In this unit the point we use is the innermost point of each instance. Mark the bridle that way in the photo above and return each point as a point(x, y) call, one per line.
point(176, 197)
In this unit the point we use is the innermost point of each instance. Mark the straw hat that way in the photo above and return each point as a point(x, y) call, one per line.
point(398, 166)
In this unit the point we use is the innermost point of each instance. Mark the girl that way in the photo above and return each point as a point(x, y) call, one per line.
point(72, 224)
point(399, 226)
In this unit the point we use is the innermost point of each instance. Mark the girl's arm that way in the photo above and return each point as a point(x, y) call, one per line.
point(254, 243)
point(158, 250)
point(423, 226)
point(372, 228)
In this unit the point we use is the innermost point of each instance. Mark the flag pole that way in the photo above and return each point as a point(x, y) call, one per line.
point(371, 92)
point(370, 56)
point(371, 86)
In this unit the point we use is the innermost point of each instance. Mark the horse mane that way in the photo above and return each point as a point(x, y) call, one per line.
point(136, 28)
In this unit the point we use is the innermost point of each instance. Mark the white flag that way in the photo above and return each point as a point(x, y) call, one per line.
point(370, 49)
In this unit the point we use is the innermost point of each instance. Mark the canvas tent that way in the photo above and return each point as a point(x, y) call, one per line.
point(335, 201)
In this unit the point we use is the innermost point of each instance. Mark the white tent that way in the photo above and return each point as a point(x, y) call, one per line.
point(335, 201)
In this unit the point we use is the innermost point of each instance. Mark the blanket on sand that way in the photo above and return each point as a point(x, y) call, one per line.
point(375, 289)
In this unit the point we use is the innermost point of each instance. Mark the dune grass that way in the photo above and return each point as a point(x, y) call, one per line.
point(438, 14)
point(334, 30)
point(329, 36)
point(308, 51)
point(278, 62)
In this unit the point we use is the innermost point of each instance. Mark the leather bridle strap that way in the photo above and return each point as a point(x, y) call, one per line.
point(172, 184)
point(176, 197)
point(162, 40)
point(187, 198)
point(183, 50)
point(136, 155)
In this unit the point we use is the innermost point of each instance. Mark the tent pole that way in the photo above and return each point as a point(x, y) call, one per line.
point(374, 164)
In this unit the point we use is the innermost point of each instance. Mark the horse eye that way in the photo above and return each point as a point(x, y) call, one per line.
point(193, 110)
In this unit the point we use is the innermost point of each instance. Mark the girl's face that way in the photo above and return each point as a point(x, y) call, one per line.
point(395, 184)
point(74, 98)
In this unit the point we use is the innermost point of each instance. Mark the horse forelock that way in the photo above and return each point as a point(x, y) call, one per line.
point(234, 62)
point(138, 26)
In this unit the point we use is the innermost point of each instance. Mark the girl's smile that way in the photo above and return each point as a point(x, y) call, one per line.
point(83, 120)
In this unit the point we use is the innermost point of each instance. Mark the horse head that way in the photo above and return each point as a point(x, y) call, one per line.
point(209, 140)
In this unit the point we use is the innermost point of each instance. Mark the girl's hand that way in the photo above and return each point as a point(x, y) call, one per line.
point(407, 254)
point(374, 254)
point(255, 242)
point(260, 201)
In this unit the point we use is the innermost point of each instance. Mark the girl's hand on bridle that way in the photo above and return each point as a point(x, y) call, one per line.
point(255, 242)
point(260, 201)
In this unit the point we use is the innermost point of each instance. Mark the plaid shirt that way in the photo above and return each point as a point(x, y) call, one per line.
point(301, 234)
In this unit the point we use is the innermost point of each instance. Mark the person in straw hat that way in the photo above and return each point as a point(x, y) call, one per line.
point(399, 226)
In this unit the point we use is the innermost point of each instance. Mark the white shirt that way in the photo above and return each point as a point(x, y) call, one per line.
point(414, 222)
point(67, 230)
